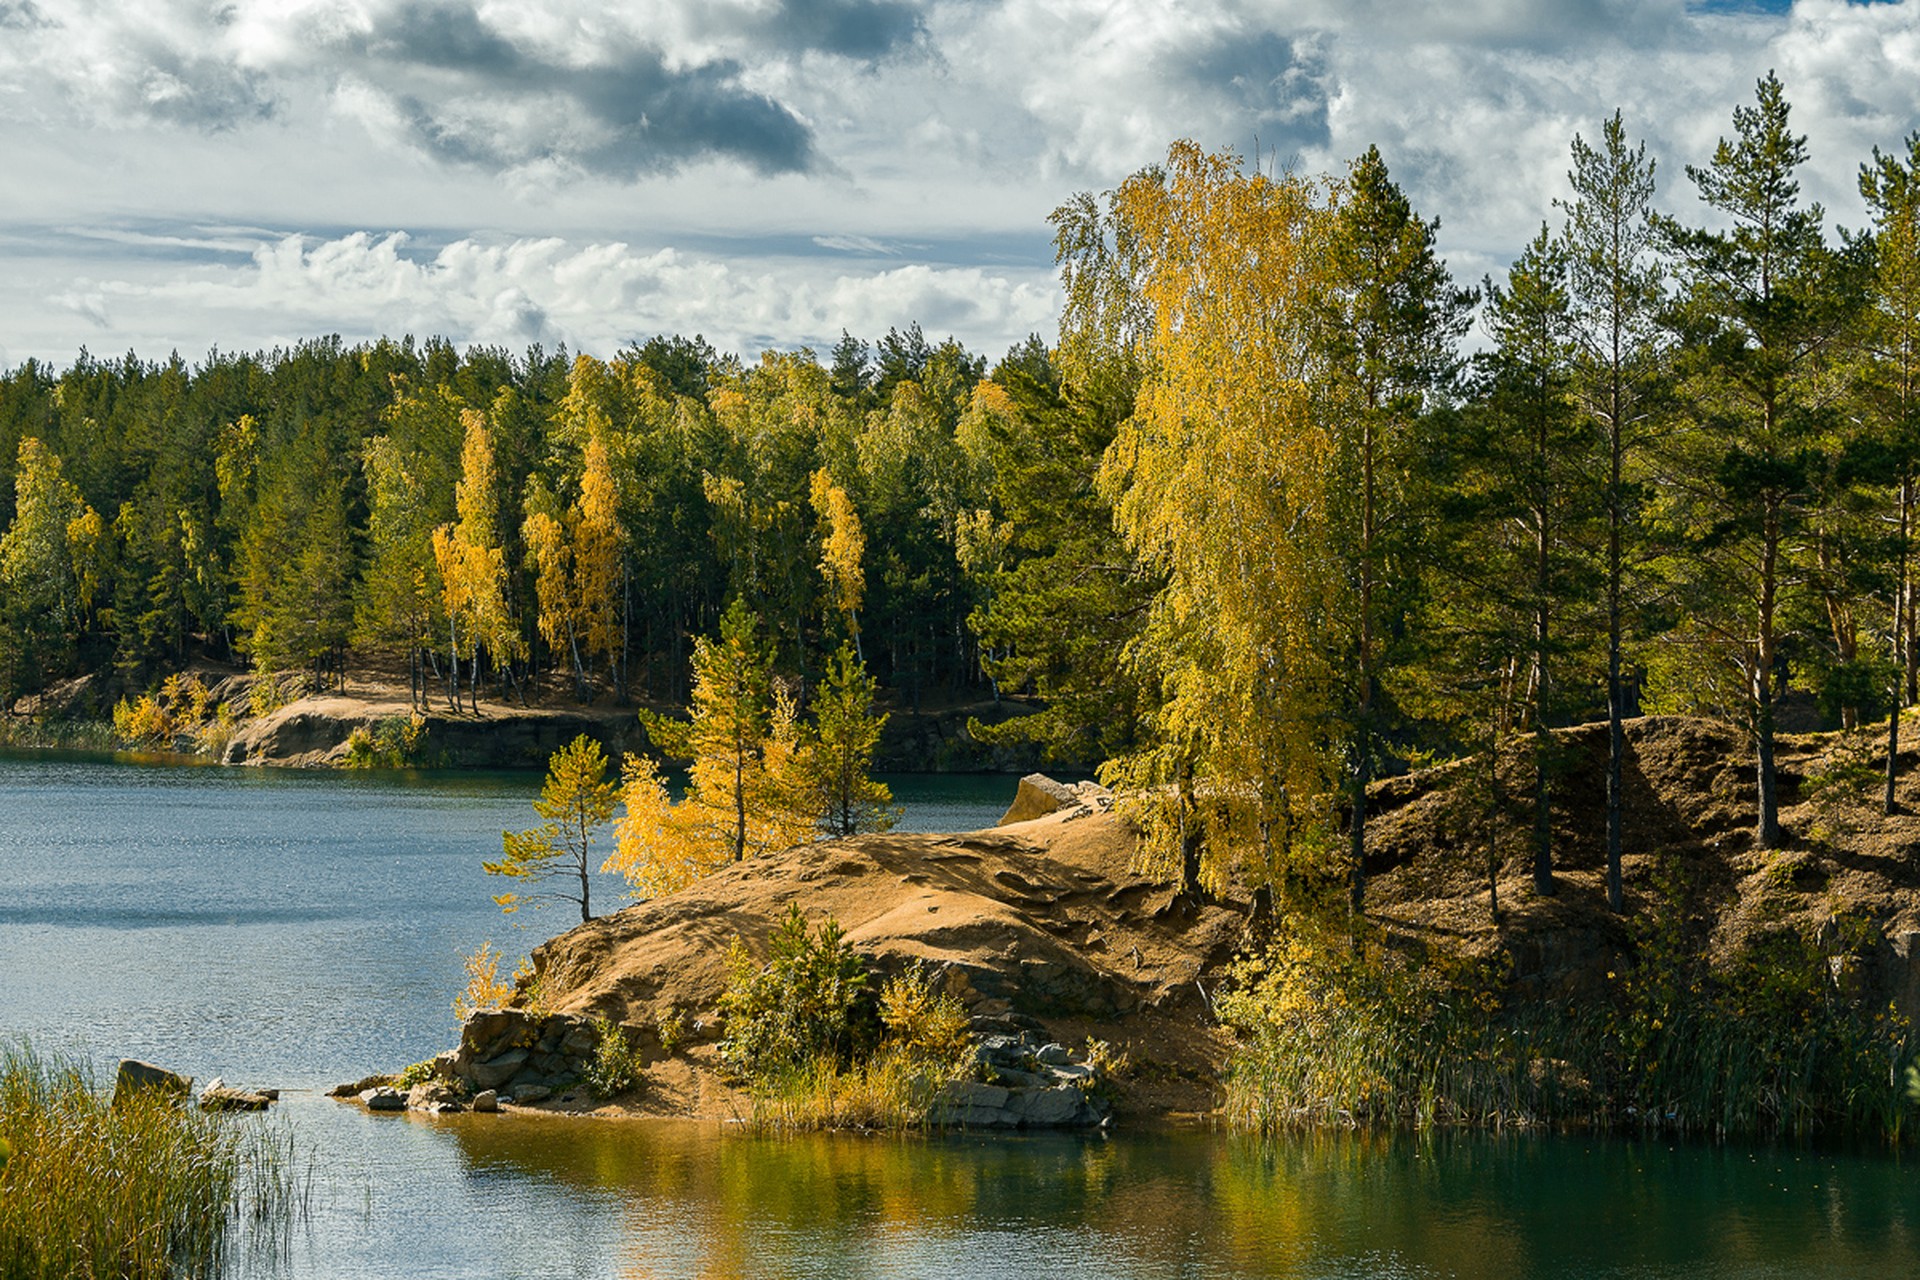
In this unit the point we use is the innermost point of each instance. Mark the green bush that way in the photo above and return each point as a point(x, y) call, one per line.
point(808, 1002)
point(616, 1065)
point(1330, 1028)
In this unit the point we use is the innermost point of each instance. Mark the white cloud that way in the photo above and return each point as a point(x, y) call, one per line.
point(595, 297)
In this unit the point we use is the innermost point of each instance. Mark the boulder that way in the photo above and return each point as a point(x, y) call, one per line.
point(527, 1095)
point(384, 1098)
point(494, 1073)
point(1037, 796)
point(358, 1087)
point(133, 1076)
point(486, 1102)
point(1053, 1055)
point(433, 1095)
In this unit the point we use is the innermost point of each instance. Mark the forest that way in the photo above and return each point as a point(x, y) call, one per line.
point(1269, 519)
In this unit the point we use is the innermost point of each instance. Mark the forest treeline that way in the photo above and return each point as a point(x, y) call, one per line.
point(1259, 527)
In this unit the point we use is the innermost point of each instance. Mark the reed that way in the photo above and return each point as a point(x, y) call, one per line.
point(145, 1190)
point(1333, 1030)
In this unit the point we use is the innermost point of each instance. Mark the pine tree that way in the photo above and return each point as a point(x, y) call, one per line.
point(1890, 388)
point(836, 756)
point(1388, 328)
point(1765, 302)
point(744, 795)
point(1617, 289)
point(576, 800)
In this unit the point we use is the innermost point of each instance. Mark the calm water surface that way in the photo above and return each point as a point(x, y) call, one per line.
point(296, 929)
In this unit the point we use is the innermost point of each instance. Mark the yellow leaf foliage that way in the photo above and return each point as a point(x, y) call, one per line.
point(1221, 481)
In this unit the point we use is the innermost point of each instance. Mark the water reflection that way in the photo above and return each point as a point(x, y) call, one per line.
point(687, 1200)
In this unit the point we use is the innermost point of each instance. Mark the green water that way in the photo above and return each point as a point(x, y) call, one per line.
point(296, 929)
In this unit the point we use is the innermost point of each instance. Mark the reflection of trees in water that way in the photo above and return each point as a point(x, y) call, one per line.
point(692, 1199)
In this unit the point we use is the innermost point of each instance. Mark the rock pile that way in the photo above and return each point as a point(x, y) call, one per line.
point(522, 1056)
point(505, 1056)
point(1023, 1084)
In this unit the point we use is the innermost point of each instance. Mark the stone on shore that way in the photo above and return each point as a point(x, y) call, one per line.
point(221, 1096)
point(384, 1098)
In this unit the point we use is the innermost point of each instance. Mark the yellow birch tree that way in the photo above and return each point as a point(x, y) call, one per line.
point(1220, 482)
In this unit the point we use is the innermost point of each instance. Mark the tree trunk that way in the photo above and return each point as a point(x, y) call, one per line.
point(1363, 736)
point(1767, 828)
point(1901, 642)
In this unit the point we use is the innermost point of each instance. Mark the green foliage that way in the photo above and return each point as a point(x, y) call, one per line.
point(926, 1025)
point(576, 801)
point(418, 1073)
point(394, 742)
point(145, 1190)
point(836, 755)
point(617, 1066)
point(807, 1003)
point(1331, 1029)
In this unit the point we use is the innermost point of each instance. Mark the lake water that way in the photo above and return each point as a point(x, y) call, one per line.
point(297, 929)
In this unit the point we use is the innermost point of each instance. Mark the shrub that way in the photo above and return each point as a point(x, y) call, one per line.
point(1331, 1028)
point(816, 1047)
point(927, 1026)
point(393, 743)
point(484, 990)
point(807, 1003)
point(616, 1065)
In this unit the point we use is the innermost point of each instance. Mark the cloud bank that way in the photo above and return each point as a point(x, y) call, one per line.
point(595, 170)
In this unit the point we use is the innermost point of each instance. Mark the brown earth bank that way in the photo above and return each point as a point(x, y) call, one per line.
point(505, 731)
point(1044, 927)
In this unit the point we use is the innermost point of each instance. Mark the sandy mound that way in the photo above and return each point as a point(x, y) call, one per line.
point(1038, 924)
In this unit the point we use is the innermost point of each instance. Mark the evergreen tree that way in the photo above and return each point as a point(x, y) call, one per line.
point(1616, 291)
point(1889, 386)
point(576, 800)
point(1387, 336)
point(1765, 300)
point(836, 758)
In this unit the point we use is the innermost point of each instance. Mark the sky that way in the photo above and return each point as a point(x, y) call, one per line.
point(181, 176)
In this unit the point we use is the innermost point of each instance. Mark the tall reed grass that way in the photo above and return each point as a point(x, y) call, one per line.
point(146, 1190)
point(1331, 1030)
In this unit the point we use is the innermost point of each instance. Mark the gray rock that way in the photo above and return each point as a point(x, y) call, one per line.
point(358, 1087)
point(491, 1075)
point(972, 1094)
point(527, 1095)
point(580, 1041)
point(1014, 1078)
point(134, 1076)
point(1050, 1107)
point(1074, 1073)
point(431, 1094)
point(384, 1098)
point(486, 1101)
point(221, 1096)
point(1054, 1055)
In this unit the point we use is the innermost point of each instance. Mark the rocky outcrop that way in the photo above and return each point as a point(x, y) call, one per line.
point(221, 1096)
point(1038, 795)
point(519, 1056)
point(313, 733)
point(1017, 1083)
